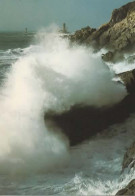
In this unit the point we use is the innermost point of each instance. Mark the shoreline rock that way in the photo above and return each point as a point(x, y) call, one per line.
point(128, 190)
point(80, 123)
point(129, 157)
point(128, 78)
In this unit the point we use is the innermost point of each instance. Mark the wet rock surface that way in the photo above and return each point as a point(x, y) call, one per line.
point(80, 123)
point(129, 80)
point(129, 157)
point(128, 190)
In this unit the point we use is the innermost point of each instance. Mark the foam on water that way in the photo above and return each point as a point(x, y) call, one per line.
point(127, 64)
point(94, 168)
point(51, 76)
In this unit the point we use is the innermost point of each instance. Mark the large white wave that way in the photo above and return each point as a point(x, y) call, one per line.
point(53, 75)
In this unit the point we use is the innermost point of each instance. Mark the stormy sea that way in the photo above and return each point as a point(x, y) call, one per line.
point(44, 73)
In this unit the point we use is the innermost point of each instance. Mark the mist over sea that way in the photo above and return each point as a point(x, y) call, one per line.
point(43, 72)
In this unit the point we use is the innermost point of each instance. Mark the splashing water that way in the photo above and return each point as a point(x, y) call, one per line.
point(54, 75)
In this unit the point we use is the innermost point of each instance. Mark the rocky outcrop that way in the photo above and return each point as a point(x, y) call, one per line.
point(108, 57)
point(129, 157)
point(118, 34)
point(113, 56)
point(81, 35)
point(129, 80)
point(128, 190)
point(80, 123)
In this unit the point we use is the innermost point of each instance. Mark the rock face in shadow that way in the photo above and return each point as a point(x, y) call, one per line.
point(128, 190)
point(118, 34)
point(80, 123)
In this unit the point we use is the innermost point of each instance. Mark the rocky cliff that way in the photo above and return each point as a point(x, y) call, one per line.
point(117, 34)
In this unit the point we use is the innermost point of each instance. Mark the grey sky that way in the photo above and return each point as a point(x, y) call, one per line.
point(15, 15)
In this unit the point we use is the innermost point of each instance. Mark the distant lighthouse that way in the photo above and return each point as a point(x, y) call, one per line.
point(64, 28)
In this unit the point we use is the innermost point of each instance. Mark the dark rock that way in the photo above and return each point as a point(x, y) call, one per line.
point(129, 80)
point(81, 35)
point(80, 123)
point(129, 157)
point(113, 57)
point(128, 190)
point(109, 56)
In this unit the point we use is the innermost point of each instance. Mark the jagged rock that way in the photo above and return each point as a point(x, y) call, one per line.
point(114, 57)
point(129, 80)
point(96, 39)
point(81, 35)
point(128, 190)
point(129, 157)
point(109, 56)
point(118, 34)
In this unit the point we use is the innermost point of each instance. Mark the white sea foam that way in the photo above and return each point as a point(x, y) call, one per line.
point(127, 64)
point(94, 168)
point(50, 76)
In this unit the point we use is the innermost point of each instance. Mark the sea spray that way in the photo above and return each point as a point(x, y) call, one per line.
point(53, 75)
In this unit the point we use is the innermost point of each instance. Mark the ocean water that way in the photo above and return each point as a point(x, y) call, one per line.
point(51, 74)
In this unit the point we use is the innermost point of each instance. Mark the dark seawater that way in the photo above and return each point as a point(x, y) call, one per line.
point(93, 168)
point(15, 40)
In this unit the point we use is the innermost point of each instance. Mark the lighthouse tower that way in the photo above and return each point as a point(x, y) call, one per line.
point(64, 30)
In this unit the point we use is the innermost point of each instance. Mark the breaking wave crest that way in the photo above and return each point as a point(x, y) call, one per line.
point(52, 75)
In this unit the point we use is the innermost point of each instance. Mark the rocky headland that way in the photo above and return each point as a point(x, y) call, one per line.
point(118, 34)
point(118, 37)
